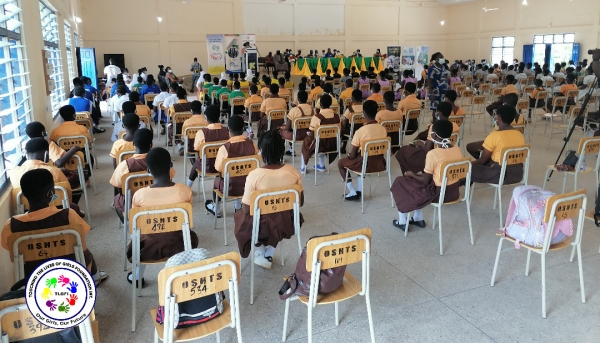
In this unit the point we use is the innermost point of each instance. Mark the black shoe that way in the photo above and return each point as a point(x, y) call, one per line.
point(353, 197)
point(342, 150)
point(289, 153)
point(400, 226)
point(208, 202)
point(130, 277)
point(420, 223)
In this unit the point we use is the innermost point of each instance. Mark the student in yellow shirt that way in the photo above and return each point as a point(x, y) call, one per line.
point(316, 90)
point(347, 92)
point(375, 96)
point(450, 96)
point(509, 88)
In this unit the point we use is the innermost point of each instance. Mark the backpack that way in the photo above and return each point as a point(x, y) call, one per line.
point(525, 219)
point(299, 282)
point(196, 311)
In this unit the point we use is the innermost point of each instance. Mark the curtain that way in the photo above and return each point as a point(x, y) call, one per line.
point(528, 53)
point(548, 56)
point(575, 55)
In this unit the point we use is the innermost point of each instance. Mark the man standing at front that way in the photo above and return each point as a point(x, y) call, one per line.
point(111, 70)
point(196, 68)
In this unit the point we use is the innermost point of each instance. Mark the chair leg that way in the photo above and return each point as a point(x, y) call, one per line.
point(495, 197)
point(215, 216)
point(362, 198)
point(390, 182)
point(469, 218)
point(252, 274)
point(224, 211)
point(218, 334)
point(309, 324)
point(564, 182)
point(543, 285)
point(496, 262)
point(500, 206)
point(281, 251)
point(527, 263)
point(546, 178)
point(201, 180)
point(370, 315)
point(155, 336)
point(285, 319)
point(580, 262)
point(440, 224)
point(337, 318)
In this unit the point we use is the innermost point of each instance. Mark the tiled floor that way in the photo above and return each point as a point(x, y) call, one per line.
point(416, 294)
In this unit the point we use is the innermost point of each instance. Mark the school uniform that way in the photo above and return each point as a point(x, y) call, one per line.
point(490, 172)
point(412, 157)
point(350, 111)
point(17, 172)
point(237, 146)
point(45, 218)
point(370, 130)
point(161, 245)
point(564, 89)
point(162, 96)
point(334, 101)
point(384, 115)
point(346, 94)
point(170, 100)
point(55, 152)
point(81, 104)
point(119, 146)
point(459, 112)
point(410, 102)
point(324, 117)
point(236, 94)
point(212, 133)
point(143, 111)
point(269, 104)
point(302, 110)
point(181, 106)
point(284, 92)
point(376, 97)
point(273, 227)
point(533, 96)
point(137, 163)
point(410, 195)
point(508, 89)
point(195, 120)
point(313, 93)
point(70, 128)
point(223, 90)
point(264, 90)
point(253, 99)
point(475, 148)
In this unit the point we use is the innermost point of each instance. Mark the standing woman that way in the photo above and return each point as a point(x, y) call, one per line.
point(149, 88)
point(436, 80)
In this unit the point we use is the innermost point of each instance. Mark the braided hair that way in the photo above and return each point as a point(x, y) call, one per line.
point(272, 147)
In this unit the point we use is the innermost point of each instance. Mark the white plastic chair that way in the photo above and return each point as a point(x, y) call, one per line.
point(324, 132)
point(299, 123)
point(207, 150)
point(189, 133)
point(588, 147)
point(67, 142)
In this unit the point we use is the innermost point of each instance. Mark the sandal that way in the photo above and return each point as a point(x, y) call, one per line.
point(210, 210)
point(99, 130)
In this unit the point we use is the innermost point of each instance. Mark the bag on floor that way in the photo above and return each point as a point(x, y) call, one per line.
point(525, 219)
point(196, 311)
point(299, 282)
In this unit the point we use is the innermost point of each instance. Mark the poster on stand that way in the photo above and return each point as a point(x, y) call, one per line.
point(216, 54)
point(422, 60)
point(408, 57)
point(393, 58)
point(233, 53)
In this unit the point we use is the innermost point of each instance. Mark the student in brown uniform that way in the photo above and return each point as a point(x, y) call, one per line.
point(214, 132)
point(274, 102)
point(450, 96)
point(252, 99)
point(390, 113)
point(38, 188)
point(162, 192)
point(410, 102)
point(236, 146)
point(486, 169)
point(370, 130)
point(69, 127)
point(325, 117)
point(266, 88)
point(509, 88)
point(413, 191)
point(140, 108)
point(282, 90)
point(301, 110)
point(273, 227)
point(182, 105)
point(131, 123)
point(411, 157)
point(346, 120)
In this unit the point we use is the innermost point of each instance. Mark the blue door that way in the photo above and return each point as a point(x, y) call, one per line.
point(87, 64)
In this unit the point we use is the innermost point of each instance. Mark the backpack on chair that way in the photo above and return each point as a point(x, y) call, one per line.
point(299, 282)
point(525, 219)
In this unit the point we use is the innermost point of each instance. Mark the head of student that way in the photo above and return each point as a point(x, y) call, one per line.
point(159, 162)
point(274, 89)
point(67, 113)
point(511, 99)
point(370, 109)
point(181, 93)
point(271, 147)
point(410, 88)
point(76, 81)
point(129, 107)
point(570, 78)
point(121, 89)
point(388, 97)
point(376, 87)
point(349, 83)
point(37, 149)
point(79, 91)
point(505, 114)
point(357, 96)
point(326, 101)
point(281, 82)
point(443, 111)
point(212, 114)
point(37, 186)
point(206, 77)
point(328, 88)
point(149, 80)
point(164, 87)
point(451, 95)
point(302, 86)
point(35, 129)
point(302, 97)
point(134, 96)
point(441, 131)
point(253, 89)
point(235, 124)
point(131, 122)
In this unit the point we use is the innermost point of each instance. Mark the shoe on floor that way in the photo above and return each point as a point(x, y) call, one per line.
point(262, 261)
point(303, 170)
point(354, 197)
point(101, 277)
point(419, 223)
point(210, 208)
point(400, 226)
point(130, 278)
point(289, 153)
point(320, 168)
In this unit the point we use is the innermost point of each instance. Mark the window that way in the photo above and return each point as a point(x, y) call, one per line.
point(51, 40)
point(554, 39)
point(502, 49)
point(15, 102)
point(76, 38)
point(69, 48)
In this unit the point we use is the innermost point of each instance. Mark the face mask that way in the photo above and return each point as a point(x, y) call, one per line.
point(441, 61)
point(444, 143)
point(52, 195)
point(437, 116)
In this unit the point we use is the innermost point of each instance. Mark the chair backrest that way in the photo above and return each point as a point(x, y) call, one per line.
point(541, 95)
point(497, 91)
point(132, 182)
point(327, 131)
point(392, 125)
point(514, 155)
point(374, 147)
point(467, 93)
point(485, 87)
point(453, 85)
point(245, 89)
point(589, 145)
point(574, 111)
point(523, 81)
point(565, 206)
point(82, 115)
point(68, 142)
point(208, 150)
point(386, 89)
point(548, 83)
point(336, 109)
point(380, 106)
point(364, 86)
point(413, 114)
point(18, 324)
point(460, 88)
point(287, 98)
point(522, 105)
point(454, 138)
point(238, 101)
point(161, 218)
point(559, 101)
point(149, 98)
point(572, 94)
point(458, 120)
point(254, 108)
point(478, 100)
point(238, 167)
point(560, 80)
point(530, 78)
point(520, 128)
point(454, 171)
point(75, 162)
point(528, 89)
point(347, 102)
point(180, 117)
point(276, 115)
point(275, 200)
point(121, 134)
point(191, 131)
point(20, 204)
point(301, 123)
point(124, 155)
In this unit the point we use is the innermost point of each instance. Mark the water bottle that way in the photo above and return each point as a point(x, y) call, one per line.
point(582, 165)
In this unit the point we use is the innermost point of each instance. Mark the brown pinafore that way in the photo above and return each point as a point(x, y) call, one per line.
point(236, 184)
point(178, 107)
point(133, 165)
point(221, 134)
point(326, 144)
point(300, 133)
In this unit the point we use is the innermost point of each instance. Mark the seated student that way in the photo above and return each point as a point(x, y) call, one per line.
point(137, 87)
point(564, 89)
point(216, 85)
point(131, 122)
point(182, 105)
point(116, 102)
point(56, 154)
point(302, 110)
point(253, 99)
point(243, 81)
point(450, 96)
point(327, 89)
point(274, 227)
point(223, 90)
point(336, 75)
point(520, 76)
point(390, 113)
point(491, 75)
point(236, 146)
point(371, 73)
point(328, 76)
point(383, 81)
point(140, 108)
point(414, 191)
point(486, 167)
point(267, 88)
point(69, 127)
point(236, 93)
point(363, 80)
point(79, 101)
point(407, 76)
point(412, 157)
point(509, 88)
point(38, 188)
point(301, 87)
point(317, 89)
point(453, 76)
point(545, 76)
point(142, 141)
point(159, 113)
point(214, 132)
point(325, 117)
point(511, 70)
point(37, 153)
point(149, 87)
point(464, 72)
point(347, 92)
point(288, 82)
point(410, 102)
point(197, 119)
point(346, 120)
point(162, 192)
point(128, 107)
point(354, 161)
point(314, 78)
point(354, 73)
point(282, 90)
point(274, 102)
point(206, 84)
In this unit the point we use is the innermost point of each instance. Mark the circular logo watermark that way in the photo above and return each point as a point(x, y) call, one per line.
point(61, 293)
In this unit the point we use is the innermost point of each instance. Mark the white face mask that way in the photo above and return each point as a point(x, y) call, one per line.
point(441, 61)
point(444, 143)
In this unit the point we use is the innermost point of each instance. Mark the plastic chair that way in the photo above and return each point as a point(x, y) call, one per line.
point(372, 147)
point(557, 101)
point(189, 133)
point(414, 114)
point(178, 118)
point(479, 102)
point(357, 247)
point(459, 121)
point(391, 127)
point(151, 220)
point(67, 142)
point(558, 207)
point(75, 163)
point(223, 99)
point(62, 190)
point(562, 128)
point(324, 132)
point(510, 156)
point(254, 108)
point(275, 115)
point(171, 292)
point(207, 150)
point(356, 119)
point(299, 123)
point(466, 97)
point(380, 106)
point(232, 168)
point(237, 101)
point(587, 146)
point(269, 201)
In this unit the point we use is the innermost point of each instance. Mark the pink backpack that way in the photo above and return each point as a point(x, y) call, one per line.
point(525, 219)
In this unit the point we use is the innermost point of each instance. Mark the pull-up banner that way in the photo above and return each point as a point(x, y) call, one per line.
point(216, 54)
